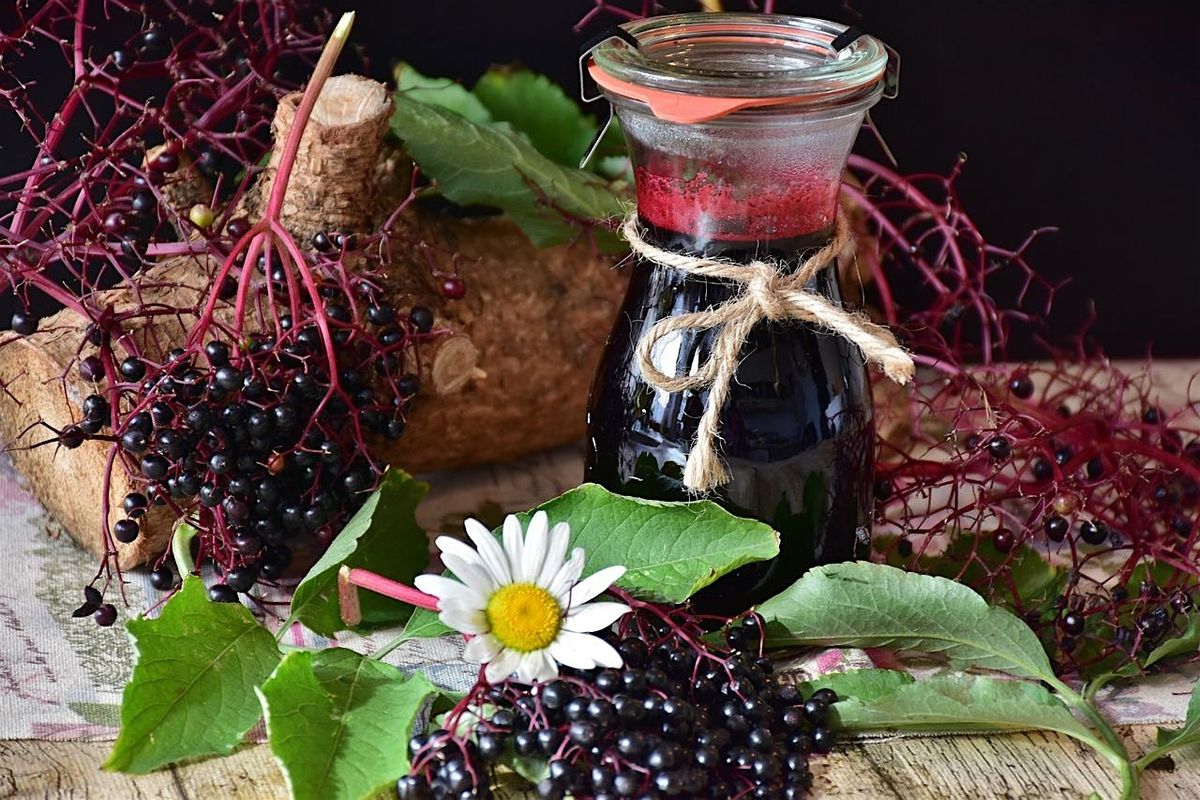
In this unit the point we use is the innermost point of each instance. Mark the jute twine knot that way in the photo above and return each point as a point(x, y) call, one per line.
point(767, 293)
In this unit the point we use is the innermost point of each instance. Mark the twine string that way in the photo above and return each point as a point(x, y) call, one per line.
point(766, 293)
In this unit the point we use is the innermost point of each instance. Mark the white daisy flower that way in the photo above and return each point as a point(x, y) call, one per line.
point(523, 602)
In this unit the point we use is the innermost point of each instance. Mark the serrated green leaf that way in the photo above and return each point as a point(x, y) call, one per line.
point(339, 723)
point(1189, 733)
point(384, 537)
point(540, 109)
point(860, 684)
point(1184, 644)
point(440, 92)
point(963, 704)
point(192, 689)
point(860, 604)
point(496, 166)
point(670, 550)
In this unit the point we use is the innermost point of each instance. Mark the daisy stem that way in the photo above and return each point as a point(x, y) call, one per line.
point(373, 581)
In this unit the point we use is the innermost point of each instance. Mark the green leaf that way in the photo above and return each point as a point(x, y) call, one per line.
point(670, 550)
point(963, 704)
point(440, 92)
point(192, 689)
point(860, 604)
point(1184, 644)
point(860, 684)
point(384, 537)
point(496, 166)
point(540, 109)
point(1189, 733)
point(423, 625)
point(339, 723)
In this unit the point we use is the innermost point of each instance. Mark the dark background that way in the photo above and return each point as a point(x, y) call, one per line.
point(1081, 114)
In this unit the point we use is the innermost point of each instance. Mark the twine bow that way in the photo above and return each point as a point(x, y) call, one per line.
point(768, 294)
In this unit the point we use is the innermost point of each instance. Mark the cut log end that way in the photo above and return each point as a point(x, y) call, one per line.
point(455, 365)
point(349, 100)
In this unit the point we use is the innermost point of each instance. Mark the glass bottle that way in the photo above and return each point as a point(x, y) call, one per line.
point(739, 127)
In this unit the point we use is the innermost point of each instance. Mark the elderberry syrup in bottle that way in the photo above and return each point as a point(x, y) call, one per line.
point(739, 127)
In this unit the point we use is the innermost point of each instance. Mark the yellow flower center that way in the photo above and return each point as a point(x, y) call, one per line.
point(524, 617)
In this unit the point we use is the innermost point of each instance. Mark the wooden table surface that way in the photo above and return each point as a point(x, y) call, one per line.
point(1022, 765)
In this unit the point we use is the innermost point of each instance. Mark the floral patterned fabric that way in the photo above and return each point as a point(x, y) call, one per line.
point(61, 678)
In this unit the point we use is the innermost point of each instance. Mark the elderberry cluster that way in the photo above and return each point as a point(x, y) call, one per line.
point(259, 445)
point(677, 720)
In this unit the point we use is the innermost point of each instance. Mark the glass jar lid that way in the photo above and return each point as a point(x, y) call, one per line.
point(697, 67)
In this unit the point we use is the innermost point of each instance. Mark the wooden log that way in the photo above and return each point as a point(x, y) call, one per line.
point(507, 375)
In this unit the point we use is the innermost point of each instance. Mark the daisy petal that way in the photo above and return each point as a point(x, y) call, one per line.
point(567, 577)
point(489, 550)
point(465, 621)
point(547, 667)
point(482, 649)
point(531, 667)
point(514, 546)
point(502, 666)
point(594, 616)
point(444, 589)
point(536, 536)
point(571, 656)
point(560, 538)
point(473, 575)
point(461, 550)
point(594, 584)
point(590, 647)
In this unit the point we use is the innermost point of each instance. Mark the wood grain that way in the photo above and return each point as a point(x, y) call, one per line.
point(1029, 765)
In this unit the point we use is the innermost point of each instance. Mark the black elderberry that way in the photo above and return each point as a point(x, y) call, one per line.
point(525, 743)
point(91, 369)
point(999, 447)
point(1003, 540)
point(823, 740)
point(155, 467)
point(1056, 528)
point(815, 711)
point(134, 442)
point(133, 369)
point(421, 319)
point(210, 494)
point(1093, 531)
point(92, 596)
point(23, 323)
point(198, 419)
point(825, 695)
point(71, 437)
point(105, 615)
point(228, 377)
point(1042, 470)
point(188, 483)
point(1072, 623)
point(125, 531)
point(1062, 455)
point(220, 593)
point(408, 385)
point(1021, 386)
point(241, 579)
point(162, 579)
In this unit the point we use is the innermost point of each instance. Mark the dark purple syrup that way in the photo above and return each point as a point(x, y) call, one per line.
point(797, 432)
